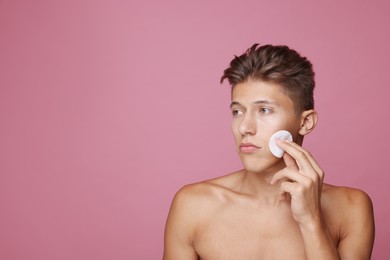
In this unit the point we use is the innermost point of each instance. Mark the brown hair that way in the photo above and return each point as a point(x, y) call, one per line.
point(277, 64)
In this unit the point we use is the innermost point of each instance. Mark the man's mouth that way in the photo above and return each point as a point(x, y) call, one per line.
point(248, 148)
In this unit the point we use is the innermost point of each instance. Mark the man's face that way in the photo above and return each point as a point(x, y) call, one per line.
point(259, 110)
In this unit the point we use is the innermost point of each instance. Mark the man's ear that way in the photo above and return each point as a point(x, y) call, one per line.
point(308, 121)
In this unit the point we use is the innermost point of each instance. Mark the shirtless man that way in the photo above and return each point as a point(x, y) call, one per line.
point(273, 208)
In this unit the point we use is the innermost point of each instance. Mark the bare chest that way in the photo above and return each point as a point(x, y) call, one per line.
point(242, 233)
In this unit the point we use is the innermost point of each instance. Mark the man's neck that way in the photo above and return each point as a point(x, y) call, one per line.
point(259, 185)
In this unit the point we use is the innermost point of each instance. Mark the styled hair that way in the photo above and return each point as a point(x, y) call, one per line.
point(279, 65)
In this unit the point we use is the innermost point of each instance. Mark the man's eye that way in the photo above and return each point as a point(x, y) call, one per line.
point(236, 112)
point(265, 110)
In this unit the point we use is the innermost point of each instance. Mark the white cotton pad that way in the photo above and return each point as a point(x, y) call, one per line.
point(279, 135)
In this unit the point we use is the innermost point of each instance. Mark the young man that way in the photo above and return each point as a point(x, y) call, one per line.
point(273, 208)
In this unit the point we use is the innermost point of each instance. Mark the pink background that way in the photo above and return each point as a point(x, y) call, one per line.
point(108, 107)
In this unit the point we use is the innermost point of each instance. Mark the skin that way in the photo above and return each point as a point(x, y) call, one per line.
point(273, 208)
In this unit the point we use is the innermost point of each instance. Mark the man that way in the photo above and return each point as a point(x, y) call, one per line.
point(275, 208)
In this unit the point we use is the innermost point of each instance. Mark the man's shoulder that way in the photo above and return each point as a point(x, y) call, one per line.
point(191, 207)
point(345, 194)
point(350, 217)
point(207, 189)
point(207, 194)
point(345, 201)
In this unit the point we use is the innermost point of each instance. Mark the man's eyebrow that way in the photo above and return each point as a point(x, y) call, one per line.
point(267, 102)
point(234, 103)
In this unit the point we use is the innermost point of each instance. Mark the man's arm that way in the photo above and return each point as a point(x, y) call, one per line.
point(304, 184)
point(359, 229)
point(179, 229)
point(305, 188)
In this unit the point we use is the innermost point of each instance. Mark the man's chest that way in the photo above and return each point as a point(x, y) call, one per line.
point(239, 234)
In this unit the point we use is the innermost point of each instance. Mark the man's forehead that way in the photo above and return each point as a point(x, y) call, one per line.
point(259, 92)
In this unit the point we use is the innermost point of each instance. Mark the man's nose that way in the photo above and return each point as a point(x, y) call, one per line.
point(248, 125)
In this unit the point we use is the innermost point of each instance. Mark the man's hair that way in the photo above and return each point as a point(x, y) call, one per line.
point(279, 65)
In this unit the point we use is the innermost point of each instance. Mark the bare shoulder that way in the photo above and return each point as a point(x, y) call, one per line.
point(349, 215)
point(208, 193)
point(345, 199)
point(346, 205)
point(201, 198)
point(191, 206)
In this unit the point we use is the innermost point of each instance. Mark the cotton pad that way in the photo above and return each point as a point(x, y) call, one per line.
point(279, 135)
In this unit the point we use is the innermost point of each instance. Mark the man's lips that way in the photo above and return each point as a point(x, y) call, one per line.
point(248, 148)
